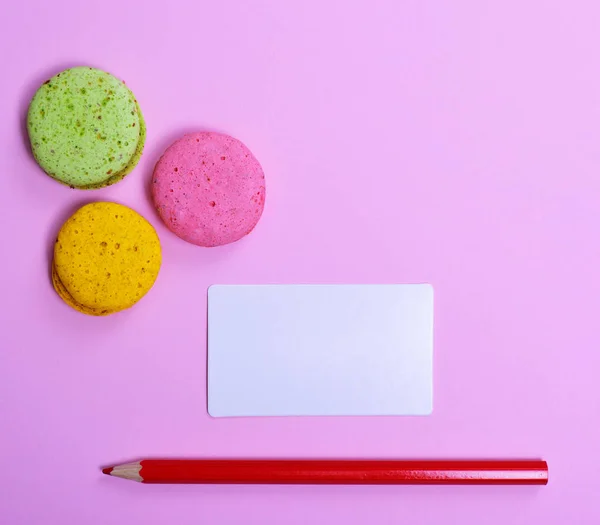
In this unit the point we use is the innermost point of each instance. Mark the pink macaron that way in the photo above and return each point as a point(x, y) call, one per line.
point(209, 189)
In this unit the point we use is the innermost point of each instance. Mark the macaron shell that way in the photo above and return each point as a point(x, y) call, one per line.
point(209, 189)
point(113, 179)
point(139, 149)
point(84, 127)
point(106, 258)
point(66, 297)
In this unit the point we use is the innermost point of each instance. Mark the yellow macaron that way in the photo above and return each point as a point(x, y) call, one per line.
point(106, 258)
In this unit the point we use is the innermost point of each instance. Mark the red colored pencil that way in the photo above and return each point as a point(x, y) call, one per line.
point(330, 472)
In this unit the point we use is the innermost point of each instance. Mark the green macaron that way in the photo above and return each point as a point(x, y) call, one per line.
point(86, 128)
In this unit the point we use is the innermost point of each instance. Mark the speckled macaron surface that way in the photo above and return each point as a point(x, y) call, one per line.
point(209, 189)
point(106, 258)
point(85, 128)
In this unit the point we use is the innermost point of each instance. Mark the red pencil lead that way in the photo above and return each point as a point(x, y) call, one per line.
point(107, 470)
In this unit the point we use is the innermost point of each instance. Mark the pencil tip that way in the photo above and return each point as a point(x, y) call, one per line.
point(107, 470)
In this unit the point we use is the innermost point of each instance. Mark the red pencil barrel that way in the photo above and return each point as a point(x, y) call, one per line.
point(349, 472)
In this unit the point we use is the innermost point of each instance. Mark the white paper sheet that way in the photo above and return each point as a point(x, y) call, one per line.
point(320, 350)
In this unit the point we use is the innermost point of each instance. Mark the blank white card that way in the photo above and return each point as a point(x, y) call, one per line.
point(320, 350)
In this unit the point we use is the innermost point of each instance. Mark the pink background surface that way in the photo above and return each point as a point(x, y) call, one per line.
point(456, 143)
